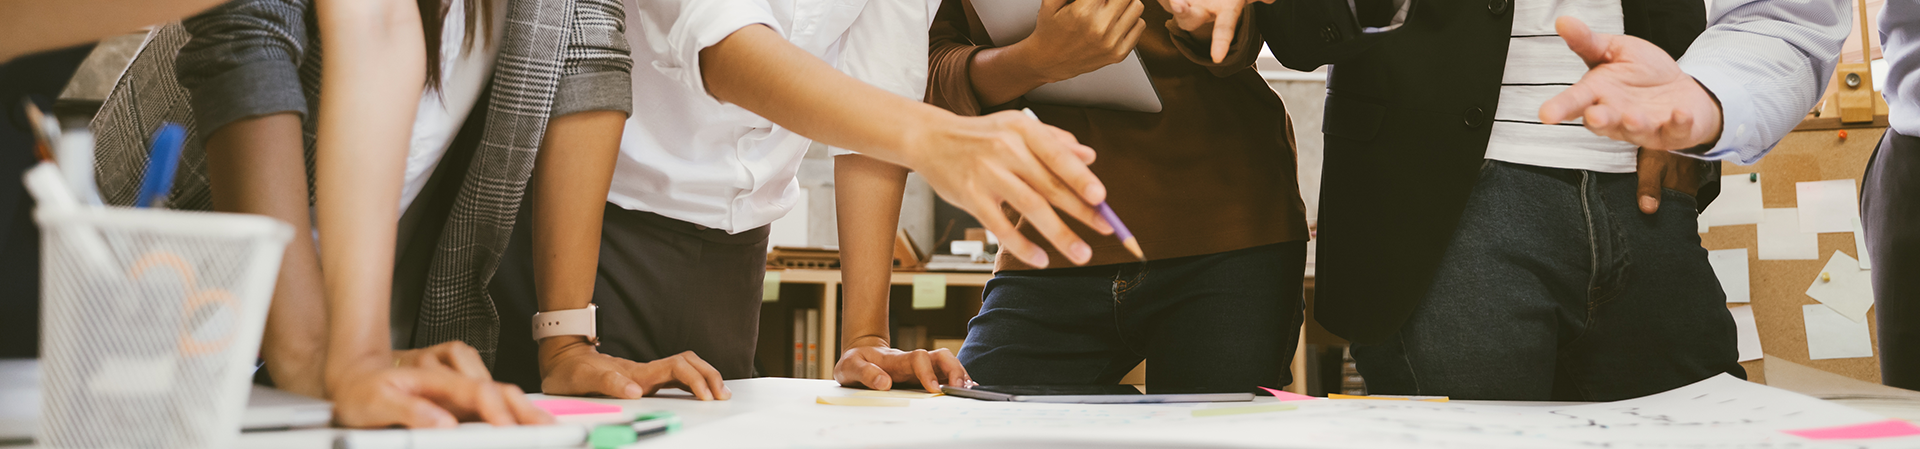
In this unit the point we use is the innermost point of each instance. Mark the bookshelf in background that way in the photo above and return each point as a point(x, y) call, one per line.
point(802, 290)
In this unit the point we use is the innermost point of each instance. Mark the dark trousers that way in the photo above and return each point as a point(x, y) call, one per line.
point(1556, 287)
point(1225, 322)
point(664, 286)
point(1890, 212)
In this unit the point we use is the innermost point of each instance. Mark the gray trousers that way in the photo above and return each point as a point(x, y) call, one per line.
point(664, 286)
point(1890, 212)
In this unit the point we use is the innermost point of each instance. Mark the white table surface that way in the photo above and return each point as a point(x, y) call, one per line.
point(748, 395)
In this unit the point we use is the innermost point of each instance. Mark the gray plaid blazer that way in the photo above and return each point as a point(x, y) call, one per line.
point(257, 57)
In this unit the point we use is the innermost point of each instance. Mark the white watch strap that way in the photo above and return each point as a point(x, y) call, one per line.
point(566, 322)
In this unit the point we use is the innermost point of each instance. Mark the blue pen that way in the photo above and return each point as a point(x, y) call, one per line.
point(161, 163)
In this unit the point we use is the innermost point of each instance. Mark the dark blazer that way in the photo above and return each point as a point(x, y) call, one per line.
point(1407, 122)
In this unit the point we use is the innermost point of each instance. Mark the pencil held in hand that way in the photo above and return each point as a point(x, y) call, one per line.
point(1120, 231)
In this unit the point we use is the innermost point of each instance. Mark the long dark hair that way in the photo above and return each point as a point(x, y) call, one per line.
point(433, 17)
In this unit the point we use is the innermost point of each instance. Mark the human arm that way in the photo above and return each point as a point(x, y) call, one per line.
point(1758, 69)
point(867, 194)
point(1068, 39)
point(239, 69)
point(370, 86)
point(977, 163)
point(258, 165)
point(28, 26)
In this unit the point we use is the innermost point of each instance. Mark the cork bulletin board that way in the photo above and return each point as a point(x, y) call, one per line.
point(1814, 152)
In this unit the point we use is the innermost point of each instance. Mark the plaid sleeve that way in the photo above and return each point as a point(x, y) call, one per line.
point(243, 60)
point(597, 72)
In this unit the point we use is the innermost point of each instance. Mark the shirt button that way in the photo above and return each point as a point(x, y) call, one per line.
point(1330, 34)
point(1498, 7)
point(1474, 117)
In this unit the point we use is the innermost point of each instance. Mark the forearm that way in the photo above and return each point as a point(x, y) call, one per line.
point(258, 166)
point(758, 70)
point(867, 195)
point(1002, 74)
point(28, 26)
point(370, 87)
point(571, 176)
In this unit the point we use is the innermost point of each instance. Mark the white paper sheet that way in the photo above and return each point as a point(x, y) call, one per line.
point(1827, 206)
point(1702, 221)
point(1847, 289)
point(1748, 333)
point(1860, 244)
point(1831, 336)
point(1738, 203)
point(1720, 412)
point(1730, 266)
point(1780, 237)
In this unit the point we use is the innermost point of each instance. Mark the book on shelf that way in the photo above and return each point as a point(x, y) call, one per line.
point(799, 343)
point(813, 345)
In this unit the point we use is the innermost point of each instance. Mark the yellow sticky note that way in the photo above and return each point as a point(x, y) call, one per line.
point(900, 394)
point(770, 291)
point(929, 291)
point(857, 401)
point(1251, 409)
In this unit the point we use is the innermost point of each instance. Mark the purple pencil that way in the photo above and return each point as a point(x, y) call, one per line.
point(1120, 231)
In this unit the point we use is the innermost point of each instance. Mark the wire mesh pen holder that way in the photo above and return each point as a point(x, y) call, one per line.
point(150, 321)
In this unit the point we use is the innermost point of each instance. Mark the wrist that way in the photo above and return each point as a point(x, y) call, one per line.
point(1719, 114)
point(553, 349)
point(341, 370)
point(870, 340)
point(1028, 65)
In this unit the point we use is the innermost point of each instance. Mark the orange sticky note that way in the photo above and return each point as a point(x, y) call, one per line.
point(1390, 398)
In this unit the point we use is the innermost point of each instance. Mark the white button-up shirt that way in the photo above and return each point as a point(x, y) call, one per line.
point(692, 158)
point(1768, 62)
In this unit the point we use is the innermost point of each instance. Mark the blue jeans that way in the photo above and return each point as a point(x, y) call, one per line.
point(1224, 322)
point(1556, 287)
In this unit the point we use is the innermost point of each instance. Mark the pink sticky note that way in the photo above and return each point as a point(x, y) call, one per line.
point(564, 407)
point(1877, 429)
point(1285, 396)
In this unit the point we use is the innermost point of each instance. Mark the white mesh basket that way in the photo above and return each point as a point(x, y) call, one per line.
point(150, 323)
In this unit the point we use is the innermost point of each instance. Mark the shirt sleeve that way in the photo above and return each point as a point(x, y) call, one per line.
point(1768, 62)
point(676, 30)
point(887, 48)
point(597, 66)
point(243, 61)
point(949, 56)
point(1240, 54)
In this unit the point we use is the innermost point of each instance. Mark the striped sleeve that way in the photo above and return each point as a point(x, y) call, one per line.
point(597, 72)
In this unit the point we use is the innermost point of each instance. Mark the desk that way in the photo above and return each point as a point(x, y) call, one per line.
point(795, 396)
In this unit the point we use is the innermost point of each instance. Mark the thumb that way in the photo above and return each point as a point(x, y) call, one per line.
point(1650, 172)
point(1591, 46)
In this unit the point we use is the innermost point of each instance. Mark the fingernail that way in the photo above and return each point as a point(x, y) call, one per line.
point(1080, 252)
point(1038, 258)
point(1649, 203)
point(1096, 193)
point(633, 391)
